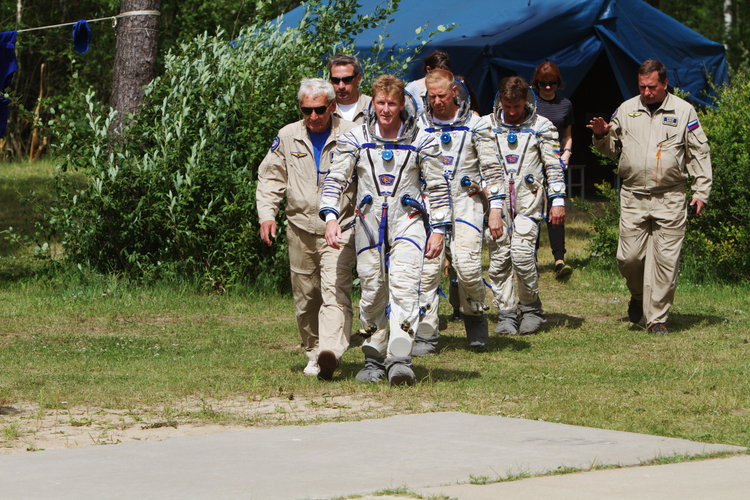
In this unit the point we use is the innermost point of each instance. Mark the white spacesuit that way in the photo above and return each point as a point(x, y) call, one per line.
point(469, 155)
point(530, 152)
point(390, 232)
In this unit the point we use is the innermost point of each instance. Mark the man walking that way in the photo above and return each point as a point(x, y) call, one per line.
point(299, 159)
point(660, 142)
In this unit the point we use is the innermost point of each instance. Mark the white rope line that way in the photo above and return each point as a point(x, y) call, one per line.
point(111, 18)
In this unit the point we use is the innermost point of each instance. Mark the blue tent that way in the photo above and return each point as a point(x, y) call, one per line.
point(494, 39)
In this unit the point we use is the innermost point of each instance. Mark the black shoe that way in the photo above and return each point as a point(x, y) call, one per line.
point(328, 363)
point(635, 310)
point(563, 271)
point(456, 314)
point(658, 329)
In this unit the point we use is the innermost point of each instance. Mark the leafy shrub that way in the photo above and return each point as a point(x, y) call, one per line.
point(717, 245)
point(175, 194)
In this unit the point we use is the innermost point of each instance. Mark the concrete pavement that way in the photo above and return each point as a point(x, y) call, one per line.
point(430, 453)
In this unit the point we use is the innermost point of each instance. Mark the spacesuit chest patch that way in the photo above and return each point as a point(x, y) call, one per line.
point(448, 160)
point(386, 179)
point(511, 158)
point(669, 120)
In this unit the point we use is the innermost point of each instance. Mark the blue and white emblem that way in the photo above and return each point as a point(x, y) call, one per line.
point(445, 138)
point(669, 120)
point(386, 179)
point(275, 143)
point(387, 155)
point(512, 138)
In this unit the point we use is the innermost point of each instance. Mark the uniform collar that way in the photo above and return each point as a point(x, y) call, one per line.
point(667, 105)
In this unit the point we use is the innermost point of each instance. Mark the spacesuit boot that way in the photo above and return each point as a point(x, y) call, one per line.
point(399, 371)
point(507, 322)
point(425, 346)
point(373, 371)
point(476, 331)
point(532, 317)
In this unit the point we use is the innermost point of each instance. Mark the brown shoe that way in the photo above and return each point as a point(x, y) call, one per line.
point(658, 329)
point(328, 363)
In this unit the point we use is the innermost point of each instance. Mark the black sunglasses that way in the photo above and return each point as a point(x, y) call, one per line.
point(346, 79)
point(545, 84)
point(318, 109)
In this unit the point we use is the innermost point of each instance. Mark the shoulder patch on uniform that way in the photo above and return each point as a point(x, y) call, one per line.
point(614, 114)
point(275, 143)
point(298, 154)
point(693, 125)
point(670, 120)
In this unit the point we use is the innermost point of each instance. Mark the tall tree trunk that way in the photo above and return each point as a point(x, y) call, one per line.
point(135, 59)
point(727, 22)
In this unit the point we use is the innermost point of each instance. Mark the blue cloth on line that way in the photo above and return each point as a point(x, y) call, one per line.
point(81, 36)
point(8, 66)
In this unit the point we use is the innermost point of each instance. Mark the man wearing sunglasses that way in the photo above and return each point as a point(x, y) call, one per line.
point(346, 75)
point(299, 159)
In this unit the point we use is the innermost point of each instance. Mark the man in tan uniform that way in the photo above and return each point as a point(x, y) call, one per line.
point(299, 159)
point(346, 75)
point(660, 142)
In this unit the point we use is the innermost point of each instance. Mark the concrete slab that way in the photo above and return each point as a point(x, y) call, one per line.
point(329, 460)
point(725, 478)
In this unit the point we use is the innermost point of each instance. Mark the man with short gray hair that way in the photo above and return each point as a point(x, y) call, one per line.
point(346, 75)
point(299, 159)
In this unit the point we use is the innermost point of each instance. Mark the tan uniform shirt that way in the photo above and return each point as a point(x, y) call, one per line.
point(658, 151)
point(289, 169)
point(363, 103)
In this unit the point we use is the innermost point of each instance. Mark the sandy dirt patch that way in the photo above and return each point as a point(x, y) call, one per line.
point(26, 427)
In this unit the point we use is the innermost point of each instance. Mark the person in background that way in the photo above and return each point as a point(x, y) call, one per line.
point(550, 104)
point(436, 60)
point(345, 74)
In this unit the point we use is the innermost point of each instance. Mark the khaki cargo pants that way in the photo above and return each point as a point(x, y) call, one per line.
point(652, 228)
point(322, 290)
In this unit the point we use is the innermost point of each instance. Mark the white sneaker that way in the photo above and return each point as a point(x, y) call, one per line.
point(312, 369)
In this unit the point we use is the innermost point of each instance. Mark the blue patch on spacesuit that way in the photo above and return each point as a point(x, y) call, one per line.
point(275, 143)
point(448, 160)
point(387, 179)
point(511, 158)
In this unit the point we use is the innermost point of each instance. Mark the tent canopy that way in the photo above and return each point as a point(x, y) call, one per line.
point(493, 39)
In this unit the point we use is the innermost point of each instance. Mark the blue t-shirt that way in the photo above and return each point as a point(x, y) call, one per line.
point(318, 140)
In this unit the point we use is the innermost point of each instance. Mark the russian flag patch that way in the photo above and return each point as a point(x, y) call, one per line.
point(693, 125)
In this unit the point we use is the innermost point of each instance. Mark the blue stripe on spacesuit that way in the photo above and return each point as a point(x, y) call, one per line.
point(372, 145)
point(367, 248)
point(446, 129)
point(410, 241)
point(469, 224)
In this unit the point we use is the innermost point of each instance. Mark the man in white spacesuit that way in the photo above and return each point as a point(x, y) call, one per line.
point(389, 156)
point(469, 155)
point(529, 148)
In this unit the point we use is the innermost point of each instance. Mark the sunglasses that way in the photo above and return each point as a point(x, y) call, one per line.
point(346, 79)
point(547, 84)
point(318, 109)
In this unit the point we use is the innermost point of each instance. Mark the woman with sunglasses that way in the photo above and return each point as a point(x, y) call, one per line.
point(559, 110)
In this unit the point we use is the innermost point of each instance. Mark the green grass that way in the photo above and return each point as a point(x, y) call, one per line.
point(90, 340)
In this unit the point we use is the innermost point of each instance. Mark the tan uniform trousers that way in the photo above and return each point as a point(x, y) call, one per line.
point(652, 228)
point(322, 286)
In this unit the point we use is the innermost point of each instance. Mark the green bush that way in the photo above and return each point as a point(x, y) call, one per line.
point(717, 243)
point(175, 195)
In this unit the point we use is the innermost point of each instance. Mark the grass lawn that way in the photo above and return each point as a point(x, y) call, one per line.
point(91, 340)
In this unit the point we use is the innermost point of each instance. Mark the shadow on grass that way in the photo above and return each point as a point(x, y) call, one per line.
point(678, 322)
point(496, 343)
point(555, 320)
